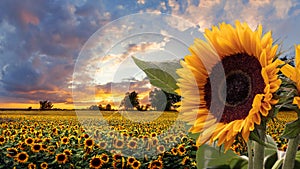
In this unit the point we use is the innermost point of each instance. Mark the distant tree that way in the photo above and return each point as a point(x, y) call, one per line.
point(108, 107)
point(93, 107)
point(161, 100)
point(29, 108)
point(130, 101)
point(45, 105)
point(147, 106)
point(100, 107)
point(140, 108)
point(143, 107)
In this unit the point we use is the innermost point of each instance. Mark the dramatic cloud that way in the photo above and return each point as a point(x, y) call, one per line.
point(41, 40)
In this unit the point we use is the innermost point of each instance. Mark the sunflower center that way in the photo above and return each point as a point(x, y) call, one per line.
point(61, 157)
point(22, 157)
point(96, 162)
point(231, 98)
point(237, 87)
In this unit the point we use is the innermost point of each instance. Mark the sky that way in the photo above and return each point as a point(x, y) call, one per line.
point(77, 53)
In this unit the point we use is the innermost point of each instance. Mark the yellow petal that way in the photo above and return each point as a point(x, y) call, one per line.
point(256, 118)
point(263, 59)
point(289, 71)
point(297, 56)
point(297, 101)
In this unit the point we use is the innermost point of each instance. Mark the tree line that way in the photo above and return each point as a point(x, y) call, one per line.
point(159, 100)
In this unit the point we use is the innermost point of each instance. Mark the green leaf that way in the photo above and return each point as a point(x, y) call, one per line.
point(291, 129)
point(194, 135)
point(254, 136)
point(209, 157)
point(271, 146)
point(239, 163)
point(161, 74)
point(277, 164)
point(270, 160)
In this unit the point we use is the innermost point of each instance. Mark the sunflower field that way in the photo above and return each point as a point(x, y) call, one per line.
point(57, 139)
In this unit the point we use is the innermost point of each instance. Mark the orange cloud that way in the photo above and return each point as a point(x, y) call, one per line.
point(28, 17)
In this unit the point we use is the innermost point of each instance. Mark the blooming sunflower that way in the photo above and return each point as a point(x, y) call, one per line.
point(89, 143)
point(12, 152)
point(104, 158)
point(185, 160)
point(2, 140)
point(65, 140)
point(102, 145)
point(174, 151)
point(22, 157)
point(130, 160)
point(36, 148)
point(119, 144)
point(136, 164)
point(160, 149)
point(156, 164)
point(61, 158)
point(234, 78)
point(31, 166)
point(44, 165)
point(96, 162)
point(181, 149)
point(132, 144)
point(29, 141)
point(294, 73)
point(68, 152)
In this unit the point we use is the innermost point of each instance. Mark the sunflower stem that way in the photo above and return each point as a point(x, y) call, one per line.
point(259, 150)
point(291, 151)
point(250, 155)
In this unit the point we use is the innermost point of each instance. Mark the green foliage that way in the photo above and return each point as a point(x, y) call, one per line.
point(130, 101)
point(45, 104)
point(161, 74)
point(211, 157)
point(292, 129)
point(163, 101)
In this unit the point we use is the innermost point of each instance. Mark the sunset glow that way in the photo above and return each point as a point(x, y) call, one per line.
point(78, 54)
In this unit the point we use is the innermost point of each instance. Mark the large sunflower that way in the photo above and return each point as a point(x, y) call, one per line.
point(234, 76)
point(294, 73)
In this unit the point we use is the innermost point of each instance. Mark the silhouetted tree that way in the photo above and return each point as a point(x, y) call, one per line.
point(100, 107)
point(46, 104)
point(130, 101)
point(143, 107)
point(108, 107)
point(161, 100)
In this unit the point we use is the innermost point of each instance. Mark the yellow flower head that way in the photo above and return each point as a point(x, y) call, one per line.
point(227, 83)
point(96, 162)
point(294, 73)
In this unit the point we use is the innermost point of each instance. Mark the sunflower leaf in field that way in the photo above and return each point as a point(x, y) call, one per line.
point(161, 74)
point(291, 129)
point(254, 136)
point(270, 160)
point(277, 164)
point(211, 157)
point(271, 146)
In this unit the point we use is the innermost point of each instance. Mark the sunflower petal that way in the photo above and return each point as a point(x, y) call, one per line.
point(297, 101)
point(289, 72)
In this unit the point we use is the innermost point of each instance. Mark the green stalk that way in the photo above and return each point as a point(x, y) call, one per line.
point(259, 150)
point(250, 155)
point(291, 151)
